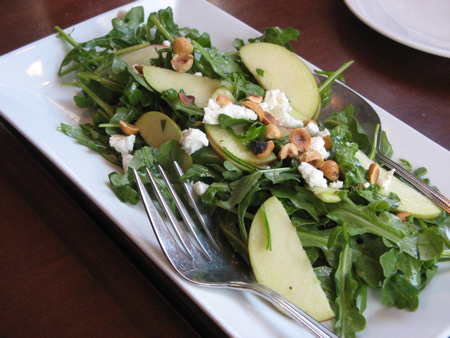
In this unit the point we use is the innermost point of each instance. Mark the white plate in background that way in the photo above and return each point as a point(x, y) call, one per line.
point(420, 24)
point(33, 101)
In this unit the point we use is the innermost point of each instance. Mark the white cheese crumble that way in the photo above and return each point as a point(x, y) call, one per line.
point(318, 144)
point(200, 188)
point(166, 43)
point(323, 133)
point(122, 143)
point(385, 181)
point(312, 176)
point(336, 185)
point(126, 159)
point(312, 129)
point(213, 110)
point(192, 140)
point(366, 185)
point(276, 103)
point(198, 74)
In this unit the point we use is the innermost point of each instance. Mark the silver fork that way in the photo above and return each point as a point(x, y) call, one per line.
point(209, 262)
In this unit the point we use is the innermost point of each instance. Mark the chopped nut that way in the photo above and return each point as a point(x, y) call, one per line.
point(186, 99)
point(272, 132)
point(128, 129)
point(374, 173)
point(301, 139)
point(182, 46)
point(255, 107)
point(288, 150)
point(330, 170)
point(308, 121)
point(198, 124)
point(254, 98)
point(262, 149)
point(223, 99)
point(140, 69)
point(269, 118)
point(182, 63)
point(402, 215)
point(328, 143)
point(312, 157)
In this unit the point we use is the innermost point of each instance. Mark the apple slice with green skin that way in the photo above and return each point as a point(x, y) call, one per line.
point(141, 56)
point(411, 200)
point(220, 138)
point(285, 268)
point(201, 87)
point(328, 195)
point(157, 128)
point(285, 71)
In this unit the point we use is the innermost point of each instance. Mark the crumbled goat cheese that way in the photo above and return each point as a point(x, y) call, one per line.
point(318, 144)
point(385, 181)
point(312, 129)
point(213, 110)
point(276, 103)
point(366, 185)
point(336, 185)
point(200, 188)
point(312, 176)
point(192, 140)
point(166, 43)
point(122, 143)
point(323, 133)
point(198, 74)
point(126, 159)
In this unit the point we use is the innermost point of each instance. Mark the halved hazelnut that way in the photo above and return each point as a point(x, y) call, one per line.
point(198, 124)
point(182, 63)
point(182, 46)
point(139, 69)
point(308, 121)
point(374, 173)
point(272, 132)
point(330, 170)
point(254, 98)
point(269, 118)
point(312, 157)
point(255, 107)
point(328, 143)
point(402, 215)
point(186, 99)
point(288, 150)
point(301, 139)
point(262, 149)
point(223, 99)
point(128, 129)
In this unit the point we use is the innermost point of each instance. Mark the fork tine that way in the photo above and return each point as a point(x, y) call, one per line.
point(184, 214)
point(164, 236)
point(199, 208)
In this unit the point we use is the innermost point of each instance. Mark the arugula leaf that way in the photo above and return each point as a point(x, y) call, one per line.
point(278, 36)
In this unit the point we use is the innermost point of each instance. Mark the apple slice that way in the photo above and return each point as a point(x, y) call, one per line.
point(157, 128)
point(285, 71)
point(201, 87)
point(141, 56)
point(286, 268)
point(411, 200)
point(328, 195)
point(220, 138)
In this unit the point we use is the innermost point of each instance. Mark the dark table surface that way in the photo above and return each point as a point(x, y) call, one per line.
point(67, 270)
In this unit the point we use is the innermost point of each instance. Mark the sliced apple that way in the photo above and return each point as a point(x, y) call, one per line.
point(201, 87)
point(286, 268)
point(157, 128)
point(285, 71)
point(224, 90)
point(328, 195)
point(220, 138)
point(141, 56)
point(411, 200)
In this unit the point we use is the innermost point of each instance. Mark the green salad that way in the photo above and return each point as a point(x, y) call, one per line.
point(160, 93)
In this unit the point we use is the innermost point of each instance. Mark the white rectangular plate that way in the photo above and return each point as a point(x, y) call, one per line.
point(33, 101)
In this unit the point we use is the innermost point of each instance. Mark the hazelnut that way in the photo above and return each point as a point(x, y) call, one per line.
point(312, 157)
point(182, 63)
point(272, 132)
point(128, 129)
point(182, 46)
point(288, 150)
point(301, 139)
point(330, 170)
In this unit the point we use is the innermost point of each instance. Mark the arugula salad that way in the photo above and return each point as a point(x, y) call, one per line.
point(344, 214)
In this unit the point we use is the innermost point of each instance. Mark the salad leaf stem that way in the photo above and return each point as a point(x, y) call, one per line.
point(110, 84)
point(373, 151)
point(109, 125)
point(66, 36)
point(335, 75)
point(162, 28)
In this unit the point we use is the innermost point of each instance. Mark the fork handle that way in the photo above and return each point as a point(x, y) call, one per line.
point(427, 190)
point(288, 308)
